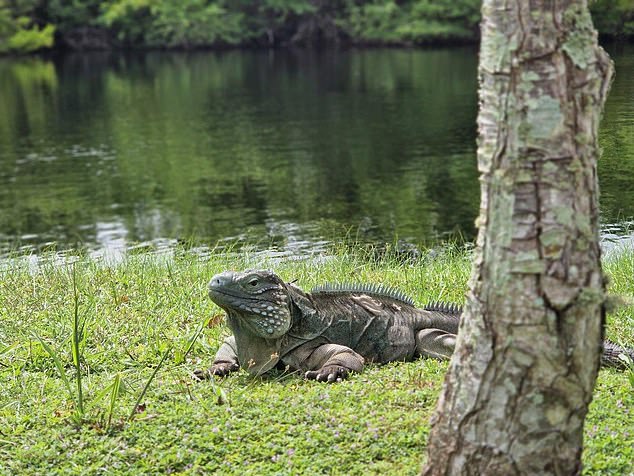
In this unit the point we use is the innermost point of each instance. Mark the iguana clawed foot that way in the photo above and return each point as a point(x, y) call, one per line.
point(328, 373)
point(220, 369)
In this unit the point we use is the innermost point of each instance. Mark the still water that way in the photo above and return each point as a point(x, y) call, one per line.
point(286, 150)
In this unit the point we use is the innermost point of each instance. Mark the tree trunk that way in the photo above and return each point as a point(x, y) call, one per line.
point(520, 381)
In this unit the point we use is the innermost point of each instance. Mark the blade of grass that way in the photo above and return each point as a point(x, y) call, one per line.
point(147, 384)
point(193, 338)
point(5, 349)
point(116, 385)
point(220, 393)
point(78, 330)
point(58, 365)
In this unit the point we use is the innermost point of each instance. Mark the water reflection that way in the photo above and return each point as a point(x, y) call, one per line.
point(287, 150)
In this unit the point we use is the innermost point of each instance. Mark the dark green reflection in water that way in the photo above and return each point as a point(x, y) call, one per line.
point(106, 150)
point(616, 167)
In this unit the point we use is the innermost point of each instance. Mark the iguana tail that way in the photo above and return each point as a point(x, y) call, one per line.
point(444, 316)
point(611, 352)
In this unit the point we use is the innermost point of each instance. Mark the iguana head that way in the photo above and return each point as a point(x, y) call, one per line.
point(259, 300)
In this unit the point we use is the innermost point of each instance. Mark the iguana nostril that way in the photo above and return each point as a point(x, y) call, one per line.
point(221, 280)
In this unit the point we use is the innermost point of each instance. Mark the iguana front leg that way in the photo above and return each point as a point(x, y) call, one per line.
point(225, 362)
point(326, 362)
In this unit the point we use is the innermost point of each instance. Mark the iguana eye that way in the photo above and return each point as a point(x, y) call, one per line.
point(253, 282)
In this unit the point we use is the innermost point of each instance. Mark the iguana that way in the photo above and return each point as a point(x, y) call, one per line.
point(331, 331)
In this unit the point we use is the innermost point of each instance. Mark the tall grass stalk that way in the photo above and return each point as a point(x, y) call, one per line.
point(182, 355)
point(77, 338)
point(147, 384)
point(114, 394)
point(58, 365)
point(78, 334)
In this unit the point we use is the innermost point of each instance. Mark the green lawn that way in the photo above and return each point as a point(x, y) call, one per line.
point(134, 313)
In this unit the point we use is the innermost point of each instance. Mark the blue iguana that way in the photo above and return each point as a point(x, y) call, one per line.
point(332, 330)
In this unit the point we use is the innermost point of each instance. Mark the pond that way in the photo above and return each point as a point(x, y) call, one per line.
point(285, 150)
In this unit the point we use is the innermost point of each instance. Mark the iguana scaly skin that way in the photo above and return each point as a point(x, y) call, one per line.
point(330, 331)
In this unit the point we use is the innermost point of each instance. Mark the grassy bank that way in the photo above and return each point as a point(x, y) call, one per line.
point(128, 318)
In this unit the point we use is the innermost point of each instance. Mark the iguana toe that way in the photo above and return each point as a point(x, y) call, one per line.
point(219, 369)
point(329, 374)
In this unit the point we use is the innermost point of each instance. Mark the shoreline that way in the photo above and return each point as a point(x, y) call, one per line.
point(613, 41)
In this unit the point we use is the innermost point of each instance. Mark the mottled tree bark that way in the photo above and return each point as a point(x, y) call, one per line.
point(519, 384)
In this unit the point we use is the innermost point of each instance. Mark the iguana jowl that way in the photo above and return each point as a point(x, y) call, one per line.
point(330, 331)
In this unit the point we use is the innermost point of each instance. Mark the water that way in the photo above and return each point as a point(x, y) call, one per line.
point(279, 149)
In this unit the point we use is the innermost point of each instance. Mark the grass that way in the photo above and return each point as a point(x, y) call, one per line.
point(137, 331)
